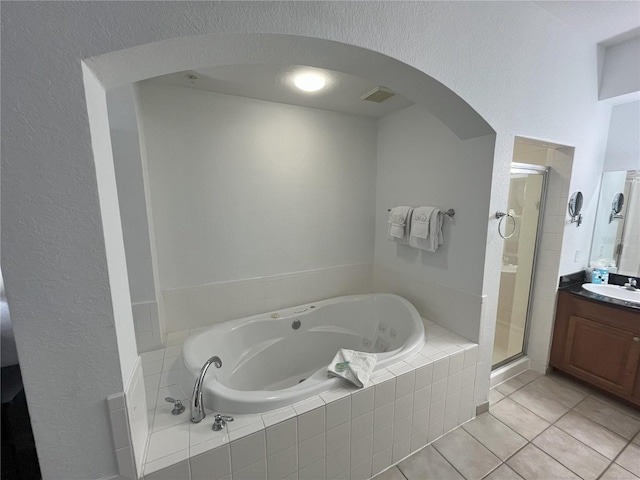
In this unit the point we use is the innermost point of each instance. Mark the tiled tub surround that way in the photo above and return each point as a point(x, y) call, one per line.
point(194, 307)
point(343, 433)
point(147, 326)
point(441, 303)
point(129, 424)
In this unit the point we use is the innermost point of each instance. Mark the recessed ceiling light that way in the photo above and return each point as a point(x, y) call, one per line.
point(310, 81)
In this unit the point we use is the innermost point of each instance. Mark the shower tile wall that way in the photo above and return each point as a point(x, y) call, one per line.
point(129, 424)
point(441, 304)
point(548, 268)
point(188, 308)
point(147, 326)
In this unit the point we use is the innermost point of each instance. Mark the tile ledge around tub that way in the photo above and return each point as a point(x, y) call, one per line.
point(444, 344)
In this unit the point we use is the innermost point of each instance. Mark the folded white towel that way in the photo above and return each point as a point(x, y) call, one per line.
point(399, 224)
point(420, 221)
point(355, 367)
point(434, 237)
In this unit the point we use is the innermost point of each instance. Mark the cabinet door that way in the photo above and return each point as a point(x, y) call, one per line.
point(635, 396)
point(601, 354)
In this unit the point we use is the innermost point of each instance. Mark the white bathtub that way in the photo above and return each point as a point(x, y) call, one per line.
point(267, 364)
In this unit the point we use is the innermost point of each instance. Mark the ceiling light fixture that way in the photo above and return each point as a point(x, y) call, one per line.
point(310, 81)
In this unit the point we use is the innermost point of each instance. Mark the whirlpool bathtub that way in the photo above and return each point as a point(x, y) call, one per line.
point(279, 358)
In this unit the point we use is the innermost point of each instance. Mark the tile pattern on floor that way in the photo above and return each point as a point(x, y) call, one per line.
point(538, 427)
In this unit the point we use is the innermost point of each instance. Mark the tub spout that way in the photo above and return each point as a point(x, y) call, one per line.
point(197, 407)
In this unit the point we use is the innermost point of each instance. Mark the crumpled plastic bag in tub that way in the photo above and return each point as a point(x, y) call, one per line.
point(355, 367)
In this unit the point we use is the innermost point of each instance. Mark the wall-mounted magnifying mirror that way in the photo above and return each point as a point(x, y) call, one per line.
point(616, 207)
point(575, 206)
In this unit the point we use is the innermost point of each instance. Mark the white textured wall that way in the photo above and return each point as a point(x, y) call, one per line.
point(135, 225)
point(133, 213)
point(621, 69)
point(529, 74)
point(623, 143)
point(244, 188)
point(125, 143)
point(422, 162)
point(536, 157)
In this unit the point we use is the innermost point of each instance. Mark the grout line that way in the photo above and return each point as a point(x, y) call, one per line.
point(612, 408)
point(514, 454)
point(593, 421)
point(617, 456)
point(530, 442)
point(504, 424)
point(494, 469)
point(589, 447)
point(445, 458)
point(557, 459)
point(401, 472)
point(529, 410)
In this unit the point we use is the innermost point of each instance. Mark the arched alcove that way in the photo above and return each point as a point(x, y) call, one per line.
point(146, 61)
point(450, 112)
point(115, 69)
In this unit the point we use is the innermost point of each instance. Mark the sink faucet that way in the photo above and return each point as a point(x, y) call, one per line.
point(632, 284)
point(197, 407)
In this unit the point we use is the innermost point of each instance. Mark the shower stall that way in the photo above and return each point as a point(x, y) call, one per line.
point(521, 228)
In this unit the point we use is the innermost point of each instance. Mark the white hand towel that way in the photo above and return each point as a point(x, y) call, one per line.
point(355, 367)
point(435, 237)
point(399, 224)
point(420, 221)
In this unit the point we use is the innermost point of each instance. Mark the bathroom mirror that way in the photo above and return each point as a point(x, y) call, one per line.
point(616, 235)
point(575, 206)
point(616, 207)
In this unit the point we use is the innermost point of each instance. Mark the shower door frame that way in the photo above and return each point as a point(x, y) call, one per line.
point(629, 186)
point(529, 168)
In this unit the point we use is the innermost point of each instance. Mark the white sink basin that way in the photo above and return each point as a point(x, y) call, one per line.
point(614, 291)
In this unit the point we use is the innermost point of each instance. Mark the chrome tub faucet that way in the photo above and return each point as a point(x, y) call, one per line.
point(197, 407)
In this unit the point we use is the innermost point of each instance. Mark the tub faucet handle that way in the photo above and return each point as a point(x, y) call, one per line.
point(178, 407)
point(220, 421)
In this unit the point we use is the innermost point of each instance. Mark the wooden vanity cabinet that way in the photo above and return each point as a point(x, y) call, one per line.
point(598, 343)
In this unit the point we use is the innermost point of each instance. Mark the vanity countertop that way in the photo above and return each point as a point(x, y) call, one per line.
point(573, 284)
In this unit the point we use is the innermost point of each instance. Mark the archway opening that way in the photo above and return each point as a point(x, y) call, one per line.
point(437, 152)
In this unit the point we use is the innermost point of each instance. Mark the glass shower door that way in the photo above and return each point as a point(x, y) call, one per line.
point(526, 199)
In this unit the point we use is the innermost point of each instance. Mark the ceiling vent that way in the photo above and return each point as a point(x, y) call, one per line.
point(378, 95)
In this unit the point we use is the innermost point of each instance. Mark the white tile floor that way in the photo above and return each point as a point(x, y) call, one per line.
point(537, 427)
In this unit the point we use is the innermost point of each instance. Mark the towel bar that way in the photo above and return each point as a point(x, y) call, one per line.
point(450, 213)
